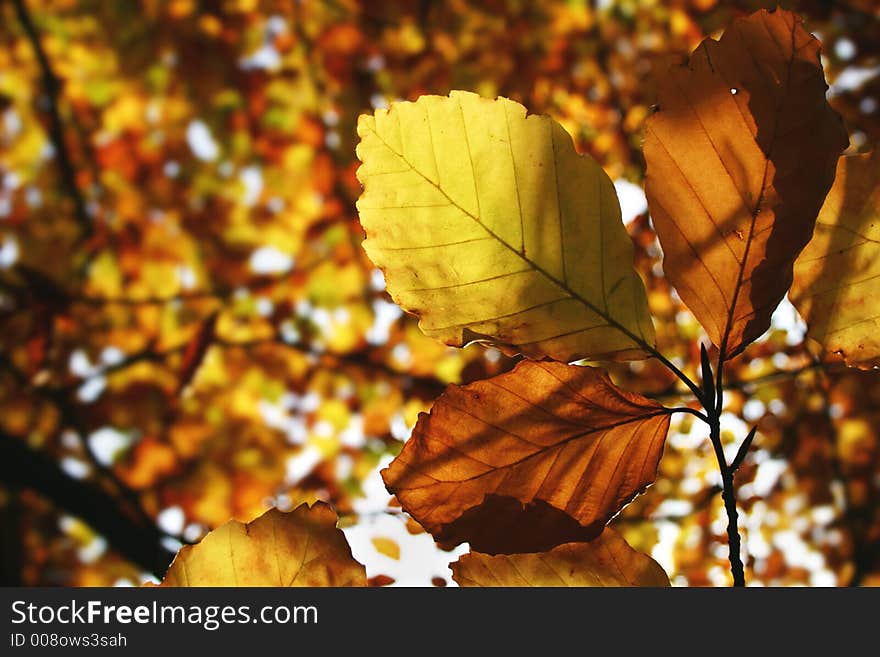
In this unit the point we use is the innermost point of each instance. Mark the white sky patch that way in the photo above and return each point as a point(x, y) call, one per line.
point(74, 467)
point(845, 49)
point(274, 415)
point(420, 559)
point(300, 466)
point(786, 318)
point(377, 280)
point(171, 520)
point(688, 440)
point(251, 178)
point(171, 544)
point(799, 554)
point(852, 78)
point(112, 355)
point(399, 428)
point(632, 199)
point(376, 497)
point(93, 550)
point(754, 410)
point(730, 423)
point(11, 180)
point(265, 58)
point(8, 252)
point(171, 169)
point(186, 276)
point(384, 316)
point(353, 435)
point(767, 475)
point(269, 260)
point(265, 307)
point(673, 508)
point(194, 532)
point(200, 141)
point(344, 467)
point(107, 442)
point(33, 197)
point(664, 550)
point(289, 332)
point(12, 124)
point(402, 354)
point(80, 365)
point(91, 389)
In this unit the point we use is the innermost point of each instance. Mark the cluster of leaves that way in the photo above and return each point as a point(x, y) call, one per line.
point(490, 227)
point(192, 333)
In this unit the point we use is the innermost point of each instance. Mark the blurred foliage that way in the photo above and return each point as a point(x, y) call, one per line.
point(212, 341)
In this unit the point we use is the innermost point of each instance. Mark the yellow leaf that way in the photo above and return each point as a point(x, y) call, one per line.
point(386, 546)
point(299, 548)
point(605, 561)
point(837, 277)
point(489, 226)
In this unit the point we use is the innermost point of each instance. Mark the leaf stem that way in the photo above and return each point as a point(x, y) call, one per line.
point(690, 411)
point(728, 492)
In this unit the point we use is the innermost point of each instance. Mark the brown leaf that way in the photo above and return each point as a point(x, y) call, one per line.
point(542, 455)
point(380, 580)
point(606, 561)
point(837, 277)
point(299, 548)
point(740, 156)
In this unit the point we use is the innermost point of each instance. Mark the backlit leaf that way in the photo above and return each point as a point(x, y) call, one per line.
point(542, 455)
point(837, 277)
point(740, 156)
point(299, 548)
point(489, 226)
point(605, 561)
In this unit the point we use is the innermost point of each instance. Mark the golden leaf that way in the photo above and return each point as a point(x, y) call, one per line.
point(299, 548)
point(605, 561)
point(837, 277)
point(489, 226)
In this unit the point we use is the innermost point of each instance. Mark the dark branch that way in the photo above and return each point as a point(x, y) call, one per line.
point(52, 86)
point(23, 467)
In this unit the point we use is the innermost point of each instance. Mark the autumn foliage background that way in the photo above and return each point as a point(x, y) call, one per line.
point(191, 331)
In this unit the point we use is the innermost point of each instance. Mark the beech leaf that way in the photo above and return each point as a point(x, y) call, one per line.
point(542, 455)
point(300, 548)
point(489, 226)
point(605, 561)
point(837, 277)
point(740, 156)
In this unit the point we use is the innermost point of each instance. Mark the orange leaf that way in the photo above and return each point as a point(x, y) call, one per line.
point(542, 455)
point(606, 561)
point(740, 156)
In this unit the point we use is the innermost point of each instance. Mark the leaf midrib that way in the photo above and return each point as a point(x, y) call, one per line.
point(563, 285)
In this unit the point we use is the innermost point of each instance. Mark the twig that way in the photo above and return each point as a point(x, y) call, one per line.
point(52, 86)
